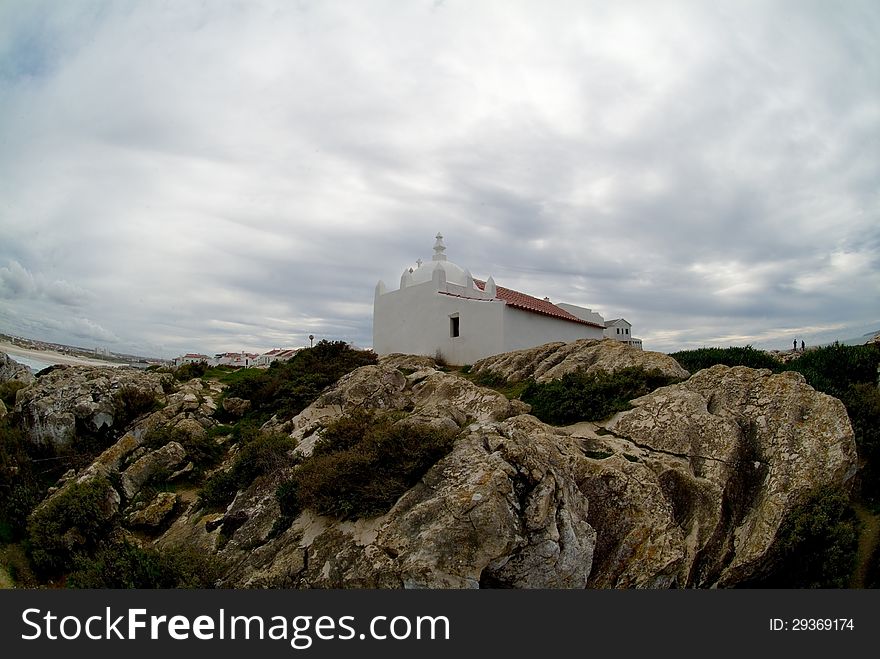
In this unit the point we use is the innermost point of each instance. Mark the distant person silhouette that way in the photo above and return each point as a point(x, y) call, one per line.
point(802, 346)
point(794, 345)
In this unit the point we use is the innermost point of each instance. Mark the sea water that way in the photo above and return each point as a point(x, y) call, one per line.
point(35, 365)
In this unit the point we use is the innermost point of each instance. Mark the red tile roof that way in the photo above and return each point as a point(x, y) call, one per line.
point(525, 302)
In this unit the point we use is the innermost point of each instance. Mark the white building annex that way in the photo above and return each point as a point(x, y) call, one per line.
point(441, 310)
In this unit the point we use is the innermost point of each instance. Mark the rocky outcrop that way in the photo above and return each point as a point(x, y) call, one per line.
point(160, 461)
point(427, 395)
point(553, 360)
point(743, 447)
point(94, 399)
point(155, 513)
point(688, 489)
point(236, 406)
point(128, 464)
point(11, 370)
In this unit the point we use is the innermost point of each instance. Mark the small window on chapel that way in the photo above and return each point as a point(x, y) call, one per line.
point(453, 326)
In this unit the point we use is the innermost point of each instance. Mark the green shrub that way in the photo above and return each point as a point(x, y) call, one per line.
point(590, 396)
point(287, 388)
point(362, 465)
point(862, 403)
point(78, 518)
point(833, 369)
point(186, 372)
point(124, 565)
point(816, 545)
point(131, 402)
point(266, 454)
point(20, 488)
point(202, 451)
point(696, 360)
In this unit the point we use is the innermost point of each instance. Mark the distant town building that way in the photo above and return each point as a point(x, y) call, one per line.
point(191, 358)
point(278, 354)
point(236, 359)
point(440, 310)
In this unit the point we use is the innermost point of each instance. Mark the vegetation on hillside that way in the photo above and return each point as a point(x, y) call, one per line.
point(696, 360)
point(590, 396)
point(287, 388)
point(78, 536)
point(816, 546)
point(362, 464)
point(20, 484)
point(263, 454)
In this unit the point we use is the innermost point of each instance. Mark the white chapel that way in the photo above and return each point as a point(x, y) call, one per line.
point(441, 310)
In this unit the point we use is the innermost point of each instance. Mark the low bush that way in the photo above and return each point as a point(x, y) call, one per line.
point(20, 488)
point(186, 372)
point(816, 545)
point(362, 465)
point(286, 388)
point(78, 518)
point(696, 360)
point(266, 454)
point(202, 451)
point(124, 565)
point(131, 402)
point(590, 396)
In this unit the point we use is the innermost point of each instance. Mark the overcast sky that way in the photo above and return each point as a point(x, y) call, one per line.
point(212, 176)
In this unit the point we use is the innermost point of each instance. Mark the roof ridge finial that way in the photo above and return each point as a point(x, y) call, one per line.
point(439, 248)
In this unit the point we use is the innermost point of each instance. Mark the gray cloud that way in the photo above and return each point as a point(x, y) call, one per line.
point(218, 177)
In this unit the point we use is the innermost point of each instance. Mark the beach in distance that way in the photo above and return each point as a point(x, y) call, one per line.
point(37, 360)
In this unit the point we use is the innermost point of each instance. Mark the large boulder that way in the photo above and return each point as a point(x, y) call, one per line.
point(95, 399)
point(162, 461)
point(553, 360)
point(12, 371)
point(736, 450)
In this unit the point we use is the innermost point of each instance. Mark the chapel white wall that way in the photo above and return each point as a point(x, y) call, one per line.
point(523, 329)
point(415, 320)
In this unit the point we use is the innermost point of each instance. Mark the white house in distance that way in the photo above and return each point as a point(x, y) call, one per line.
point(190, 358)
point(440, 309)
point(619, 329)
point(283, 354)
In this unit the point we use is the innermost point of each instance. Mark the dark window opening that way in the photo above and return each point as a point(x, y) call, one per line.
point(453, 327)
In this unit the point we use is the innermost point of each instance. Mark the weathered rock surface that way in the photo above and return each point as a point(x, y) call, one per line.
point(688, 489)
point(553, 360)
point(131, 464)
point(162, 460)
point(51, 408)
point(236, 406)
point(11, 370)
point(154, 513)
point(754, 446)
